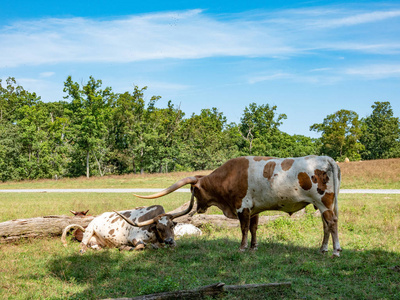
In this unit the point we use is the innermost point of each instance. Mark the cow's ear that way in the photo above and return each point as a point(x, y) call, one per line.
point(175, 223)
point(153, 226)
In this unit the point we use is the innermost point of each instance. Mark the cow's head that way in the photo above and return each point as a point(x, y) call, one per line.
point(201, 196)
point(162, 225)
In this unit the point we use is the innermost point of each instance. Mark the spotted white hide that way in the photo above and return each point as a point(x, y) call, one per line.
point(110, 230)
point(245, 186)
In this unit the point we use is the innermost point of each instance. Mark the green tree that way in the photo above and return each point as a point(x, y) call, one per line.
point(167, 123)
point(12, 160)
point(341, 132)
point(127, 128)
point(205, 143)
point(381, 133)
point(12, 98)
point(90, 113)
point(259, 128)
point(23, 119)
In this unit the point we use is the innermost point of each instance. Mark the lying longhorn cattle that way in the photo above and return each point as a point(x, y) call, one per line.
point(147, 225)
point(245, 186)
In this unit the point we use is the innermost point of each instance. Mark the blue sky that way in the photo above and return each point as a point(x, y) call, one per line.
point(309, 58)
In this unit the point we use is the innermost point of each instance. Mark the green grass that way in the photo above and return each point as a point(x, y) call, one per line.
point(29, 205)
point(288, 251)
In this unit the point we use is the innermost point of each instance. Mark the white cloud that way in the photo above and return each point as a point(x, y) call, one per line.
point(46, 74)
point(357, 18)
point(276, 76)
point(180, 35)
point(375, 71)
point(193, 34)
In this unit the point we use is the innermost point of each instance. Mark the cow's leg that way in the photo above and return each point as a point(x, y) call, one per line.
point(324, 247)
point(87, 240)
point(253, 231)
point(332, 221)
point(101, 242)
point(244, 218)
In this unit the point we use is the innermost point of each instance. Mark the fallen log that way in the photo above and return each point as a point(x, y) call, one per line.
point(14, 230)
point(209, 290)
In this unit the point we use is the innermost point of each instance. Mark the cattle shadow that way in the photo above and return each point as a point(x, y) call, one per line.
point(202, 261)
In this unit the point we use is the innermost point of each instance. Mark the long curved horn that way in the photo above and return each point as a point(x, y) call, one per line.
point(64, 234)
point(186, 211)
point(140, 224)
point(174, 187)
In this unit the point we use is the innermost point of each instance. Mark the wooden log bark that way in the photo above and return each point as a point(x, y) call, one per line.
point(38, 227)
point(209, 290)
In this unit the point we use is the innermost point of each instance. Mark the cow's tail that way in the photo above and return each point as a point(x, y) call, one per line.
point(336, 184)
point(66, 230)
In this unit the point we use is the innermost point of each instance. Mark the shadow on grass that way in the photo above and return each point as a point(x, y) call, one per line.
point(203, 261)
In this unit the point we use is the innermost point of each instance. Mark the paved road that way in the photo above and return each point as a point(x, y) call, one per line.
point(342, 191)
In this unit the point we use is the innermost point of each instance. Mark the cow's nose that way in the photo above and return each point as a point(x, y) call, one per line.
point(169, 241)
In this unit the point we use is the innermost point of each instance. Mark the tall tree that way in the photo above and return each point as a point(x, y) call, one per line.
point(341, 132)
point(90, 114)
point(12, 98)
point(381, 132)
point(167, 123)
point(259, 127)
point(128, 121)
point(205, 144)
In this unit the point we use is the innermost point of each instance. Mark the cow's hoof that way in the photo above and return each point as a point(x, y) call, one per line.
point(242, 249)
point(254, 248)
point(323, 251)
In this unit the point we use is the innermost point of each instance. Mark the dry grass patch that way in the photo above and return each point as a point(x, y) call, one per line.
point(373, 174)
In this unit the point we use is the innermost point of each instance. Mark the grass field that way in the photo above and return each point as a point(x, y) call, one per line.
point(369, 267)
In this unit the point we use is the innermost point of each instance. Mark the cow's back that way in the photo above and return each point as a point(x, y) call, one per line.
point(287, 184)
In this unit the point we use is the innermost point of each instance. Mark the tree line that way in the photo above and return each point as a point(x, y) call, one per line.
point(95, 131)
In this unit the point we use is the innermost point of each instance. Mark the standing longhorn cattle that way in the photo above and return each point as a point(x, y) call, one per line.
point(145, 225)
point(245, 186)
